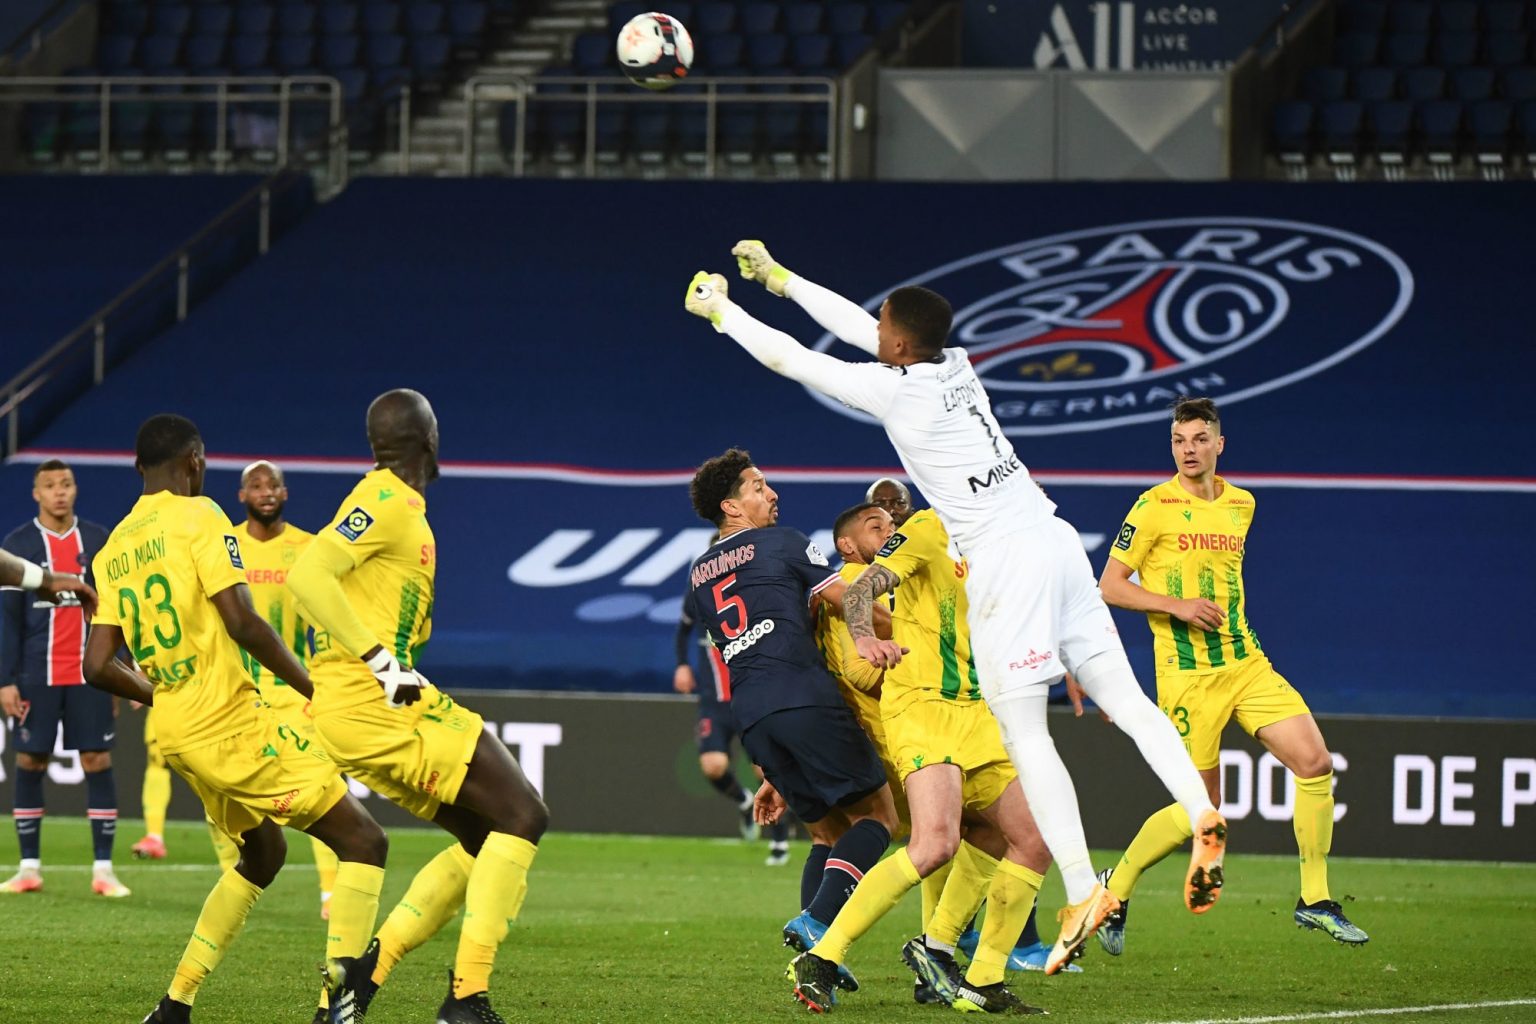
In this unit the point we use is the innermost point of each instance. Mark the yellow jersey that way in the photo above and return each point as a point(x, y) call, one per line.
point(266, 572)
point(157, 575)
point(382, 528)
point(929, 617)
point(858, 680)
point(1184, 546)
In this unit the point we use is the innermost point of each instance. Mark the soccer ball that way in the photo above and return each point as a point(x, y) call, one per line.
point(655, 50)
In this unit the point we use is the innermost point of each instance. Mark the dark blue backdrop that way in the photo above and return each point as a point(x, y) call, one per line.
point(1378, 334)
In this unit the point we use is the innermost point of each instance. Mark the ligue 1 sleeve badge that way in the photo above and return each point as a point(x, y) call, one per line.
point(1107, 326)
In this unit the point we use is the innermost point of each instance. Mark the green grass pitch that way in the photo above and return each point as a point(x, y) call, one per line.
point(623, 928)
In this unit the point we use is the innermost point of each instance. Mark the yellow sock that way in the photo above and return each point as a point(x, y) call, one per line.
point(1165, 831)
point(1009, 902)
point(1314, 834)
point(970, 877)
point(224, 847)
point(156, 797)
point(497, 886)
point(881, 888)
point(435, 895)
point(354, 906)
point(223, 916)
point(933, 888)
point(325, 865)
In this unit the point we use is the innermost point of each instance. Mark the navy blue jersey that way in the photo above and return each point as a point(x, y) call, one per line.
point(42, 644)
point(712, 679)
point(752, 591)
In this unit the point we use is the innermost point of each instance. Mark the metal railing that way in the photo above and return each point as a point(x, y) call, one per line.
point(253, 210)
point(593, 93)
point(261, 98)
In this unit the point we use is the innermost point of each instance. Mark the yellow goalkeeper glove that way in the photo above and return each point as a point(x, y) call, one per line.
point(756, 265)
point(707, 297)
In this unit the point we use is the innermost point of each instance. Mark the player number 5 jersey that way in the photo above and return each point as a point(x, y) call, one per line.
point(1184, 546)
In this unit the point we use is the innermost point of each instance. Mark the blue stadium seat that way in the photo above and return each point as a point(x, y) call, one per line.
point(1508, 16)
point(621, 12)
point(1340, 127)
point(1373, 85)
point(294, 53)
point(783, 128)
point(506, 129)
point(1505, 49)
point(1439, 123)
point(1391, 130)
point(160, 54)
point(248, 52)
point(736, 135)
point(429, 58)
point(353, 82)
point(1525, 130)
point(254, 19)
point(1409, 16)
point(296, 20)
point(1405, 49)
point(844, 18)
point(338, 19)
point(1322, 84)
point(1291, 128)
point(1361, 16)
point(126, 19)
point(1455, 49)
point(206, 51)
point(610, 136)
point(592, 52)
point(768, 51)
point(1518, 84)
point(811, 53)
point(1470, 84)
point(1490, 123)
point(718, 53)
point(851, 47)
point(213, 20)
point(1355, 49)
point(713, 17)
point(1419, 84)
point(130, 131)
point(338, 52)
point(1456, 16)
point(175, 126)
point(383, 51)
point(171, 20)
point(381, 18)
point(888, 13)
point(425, 19)
point(467, 21)
point(41, 125)
point(804, 18)
point(758, 18)
point(650, 134)
point(116, 53)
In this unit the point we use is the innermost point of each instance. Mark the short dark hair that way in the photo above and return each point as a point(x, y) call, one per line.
point(48, 466)
point(846, 518)
point(715, 481)
point(1187, 409)
point(164, 437)
point(924, 316)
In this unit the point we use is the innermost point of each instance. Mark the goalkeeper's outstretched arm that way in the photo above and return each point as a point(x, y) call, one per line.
point(847, 320)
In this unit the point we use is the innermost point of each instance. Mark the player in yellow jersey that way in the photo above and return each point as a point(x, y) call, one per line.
point(176, 597)
point(949, 751)
point(270, 546)
point(366, 585)
point(1185, 540)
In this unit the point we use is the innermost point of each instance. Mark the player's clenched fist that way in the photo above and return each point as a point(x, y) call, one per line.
point(707, 297)
point(401, 685)
point(755, 264)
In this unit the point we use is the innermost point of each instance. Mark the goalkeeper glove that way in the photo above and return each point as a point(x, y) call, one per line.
point(707, 297)
point(401, 685)
point(756, 265)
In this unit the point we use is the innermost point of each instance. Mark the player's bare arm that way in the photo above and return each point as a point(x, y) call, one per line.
point(251, 631)
point(1119, 590)
point(859, 611)
point(18, 572)
point(105, 671)
point(834, 594)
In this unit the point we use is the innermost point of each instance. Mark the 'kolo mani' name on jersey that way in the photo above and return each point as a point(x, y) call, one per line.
point(997, 474)
point(724, 562)
point(142, 555)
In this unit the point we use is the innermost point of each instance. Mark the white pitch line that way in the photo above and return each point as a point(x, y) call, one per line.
point(133, 865)
point(1356, 1014)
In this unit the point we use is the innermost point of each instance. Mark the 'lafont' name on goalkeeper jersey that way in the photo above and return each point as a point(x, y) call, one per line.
point(382, 527)
point(156, 578)
point(1184, 546)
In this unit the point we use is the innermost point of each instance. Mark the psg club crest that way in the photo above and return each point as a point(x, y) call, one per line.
point(1108, 326)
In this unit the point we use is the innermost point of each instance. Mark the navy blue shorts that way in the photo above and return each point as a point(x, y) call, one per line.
point(817, 758)
point(716, 728)
point(85, 711)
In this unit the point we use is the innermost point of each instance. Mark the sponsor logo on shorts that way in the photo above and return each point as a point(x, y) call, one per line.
point(1123, 542)
point(232, 545)
point(1031, 661)
point(355, 524)
point(750, 637)
point(430, 786)
point(285, 802)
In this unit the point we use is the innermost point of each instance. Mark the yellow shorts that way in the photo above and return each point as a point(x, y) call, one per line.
point(866, 711)
point(284, 699)
point(1200, 704)
point(944, 732)
point(416, 755)
point(268, 771)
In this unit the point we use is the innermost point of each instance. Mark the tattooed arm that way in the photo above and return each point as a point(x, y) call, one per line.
point(859, 612)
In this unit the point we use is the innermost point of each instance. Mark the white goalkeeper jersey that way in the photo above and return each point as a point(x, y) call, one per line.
point(936, 414)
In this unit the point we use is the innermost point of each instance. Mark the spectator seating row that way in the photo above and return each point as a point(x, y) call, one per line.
point(1441, 130)
point(759, 17)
